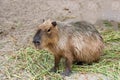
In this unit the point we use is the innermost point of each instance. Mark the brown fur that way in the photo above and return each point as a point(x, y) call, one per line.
point(75, 41)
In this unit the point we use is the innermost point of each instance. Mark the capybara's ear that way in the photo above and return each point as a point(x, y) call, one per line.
point(54, 23)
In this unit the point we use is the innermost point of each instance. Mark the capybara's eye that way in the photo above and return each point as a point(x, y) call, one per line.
point(48, 30)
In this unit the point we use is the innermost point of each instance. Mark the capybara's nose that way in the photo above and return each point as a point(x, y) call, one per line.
point(36, 42)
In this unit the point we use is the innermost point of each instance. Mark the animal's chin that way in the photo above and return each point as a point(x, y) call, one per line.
point(37, 47)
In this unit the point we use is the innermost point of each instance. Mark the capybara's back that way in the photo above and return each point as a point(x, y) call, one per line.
point(82, 40)
point(74, 41)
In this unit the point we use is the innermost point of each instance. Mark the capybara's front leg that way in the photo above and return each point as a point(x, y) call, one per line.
point(68, 63)
point(56, 63)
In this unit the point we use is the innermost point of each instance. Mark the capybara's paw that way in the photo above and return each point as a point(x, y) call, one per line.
point(53, 70)
point(66, 73)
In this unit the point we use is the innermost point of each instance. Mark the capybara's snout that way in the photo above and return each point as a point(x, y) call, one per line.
point(37, 39)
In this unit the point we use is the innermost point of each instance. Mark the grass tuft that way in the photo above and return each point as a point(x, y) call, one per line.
point(38, 63)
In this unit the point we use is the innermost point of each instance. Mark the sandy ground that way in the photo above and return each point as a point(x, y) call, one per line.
point(19, 19)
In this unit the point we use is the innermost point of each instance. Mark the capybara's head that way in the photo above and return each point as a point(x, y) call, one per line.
point(47, 34)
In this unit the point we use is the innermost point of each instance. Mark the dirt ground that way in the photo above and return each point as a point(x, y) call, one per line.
point(19, 19)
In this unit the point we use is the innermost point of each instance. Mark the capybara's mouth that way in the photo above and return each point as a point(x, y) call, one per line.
point(37, 46)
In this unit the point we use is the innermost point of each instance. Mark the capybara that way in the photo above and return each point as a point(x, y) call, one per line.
point(74, 41)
